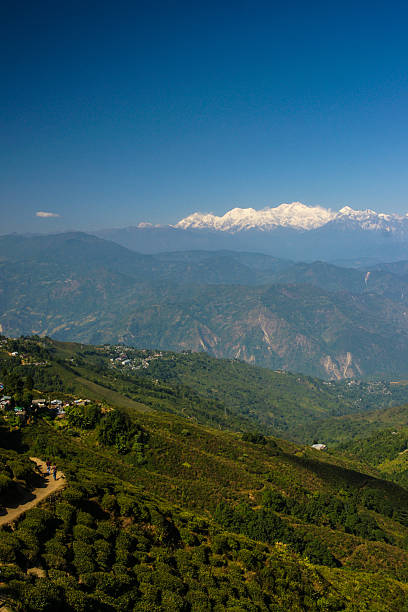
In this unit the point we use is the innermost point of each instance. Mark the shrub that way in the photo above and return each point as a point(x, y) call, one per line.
point(83, 417)
point(54, 561)
point(273, 500)
point(12, 572)
point(84, 534)
point(83, 557)
point(30, 544)
point(5, 484)
point(103, 553)
point(107, 530)
point(42, 596)
point(109, 503)
point(166, 580)
point(106, 582)
point(151, 595)
point(9, 545)
point(77, 600)
point(117, 430)
point(127, 505)
point(21, 471)
point(55, 547)
point(66, 513)
point(84, 518)
point(36, 521)
point(74, 495)
point(126, 602)
point(188, 537)
point(124, 557)
point(199, 601)
point(200, 555)
point(318, 553)
point(249, 559)
point(173, 602)
point(220, 544)
point(254, 438)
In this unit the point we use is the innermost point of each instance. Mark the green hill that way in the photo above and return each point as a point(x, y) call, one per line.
point(386, 447)
point(163, 513)
point(223, 393)
point(354, 427)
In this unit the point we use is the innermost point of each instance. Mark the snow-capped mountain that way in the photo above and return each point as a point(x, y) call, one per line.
point(288, 231)
point(296, 216)
point(370, 220)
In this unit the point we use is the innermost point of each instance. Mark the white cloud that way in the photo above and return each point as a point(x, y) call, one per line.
point(45, 215)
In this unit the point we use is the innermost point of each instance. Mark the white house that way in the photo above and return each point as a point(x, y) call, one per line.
point(320, 447)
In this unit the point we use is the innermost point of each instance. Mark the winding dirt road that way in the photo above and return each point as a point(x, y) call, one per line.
point(35, 496)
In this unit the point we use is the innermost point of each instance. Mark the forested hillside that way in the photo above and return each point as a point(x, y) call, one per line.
point(162, 513)
point(227, 394)
point(313, 318)
point(386, 449)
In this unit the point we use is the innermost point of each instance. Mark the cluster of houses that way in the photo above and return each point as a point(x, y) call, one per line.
point(56, 406)
point(122, 359)
point(26, 360)
point(4, 401)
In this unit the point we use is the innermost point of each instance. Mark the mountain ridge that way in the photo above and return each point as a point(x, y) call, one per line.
point(316, 318)
point(288, 231)
point(295, 215)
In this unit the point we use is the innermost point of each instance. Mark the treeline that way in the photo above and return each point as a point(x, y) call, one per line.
point(382, 445)
point(331, 511)
point(113, 429)
point(264, 525)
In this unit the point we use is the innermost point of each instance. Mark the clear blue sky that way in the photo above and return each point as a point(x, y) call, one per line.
point(118, 112)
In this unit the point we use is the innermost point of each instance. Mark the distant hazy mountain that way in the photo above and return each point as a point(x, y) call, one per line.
point(314, 318)
point(294, 231)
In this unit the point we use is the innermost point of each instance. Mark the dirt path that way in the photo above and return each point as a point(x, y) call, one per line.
point(34, 497)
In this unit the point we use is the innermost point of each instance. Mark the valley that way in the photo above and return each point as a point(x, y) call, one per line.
point(203, 307)
point(167, 389)
point(318, 319)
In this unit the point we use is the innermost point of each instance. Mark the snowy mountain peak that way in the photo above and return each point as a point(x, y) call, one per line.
point(347, 210)
point(294, 215)
point(359, 214)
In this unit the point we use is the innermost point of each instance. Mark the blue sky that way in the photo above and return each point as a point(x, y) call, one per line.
point(118, 112)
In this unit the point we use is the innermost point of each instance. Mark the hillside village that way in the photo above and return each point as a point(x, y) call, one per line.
point(33, 404)
point(52, 408)
point(126, 357)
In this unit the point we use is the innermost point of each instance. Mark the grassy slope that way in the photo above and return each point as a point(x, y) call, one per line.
point(354, 427)
point(291, 404)
point(223, 393)
point(197, 466)
point(190, 468)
